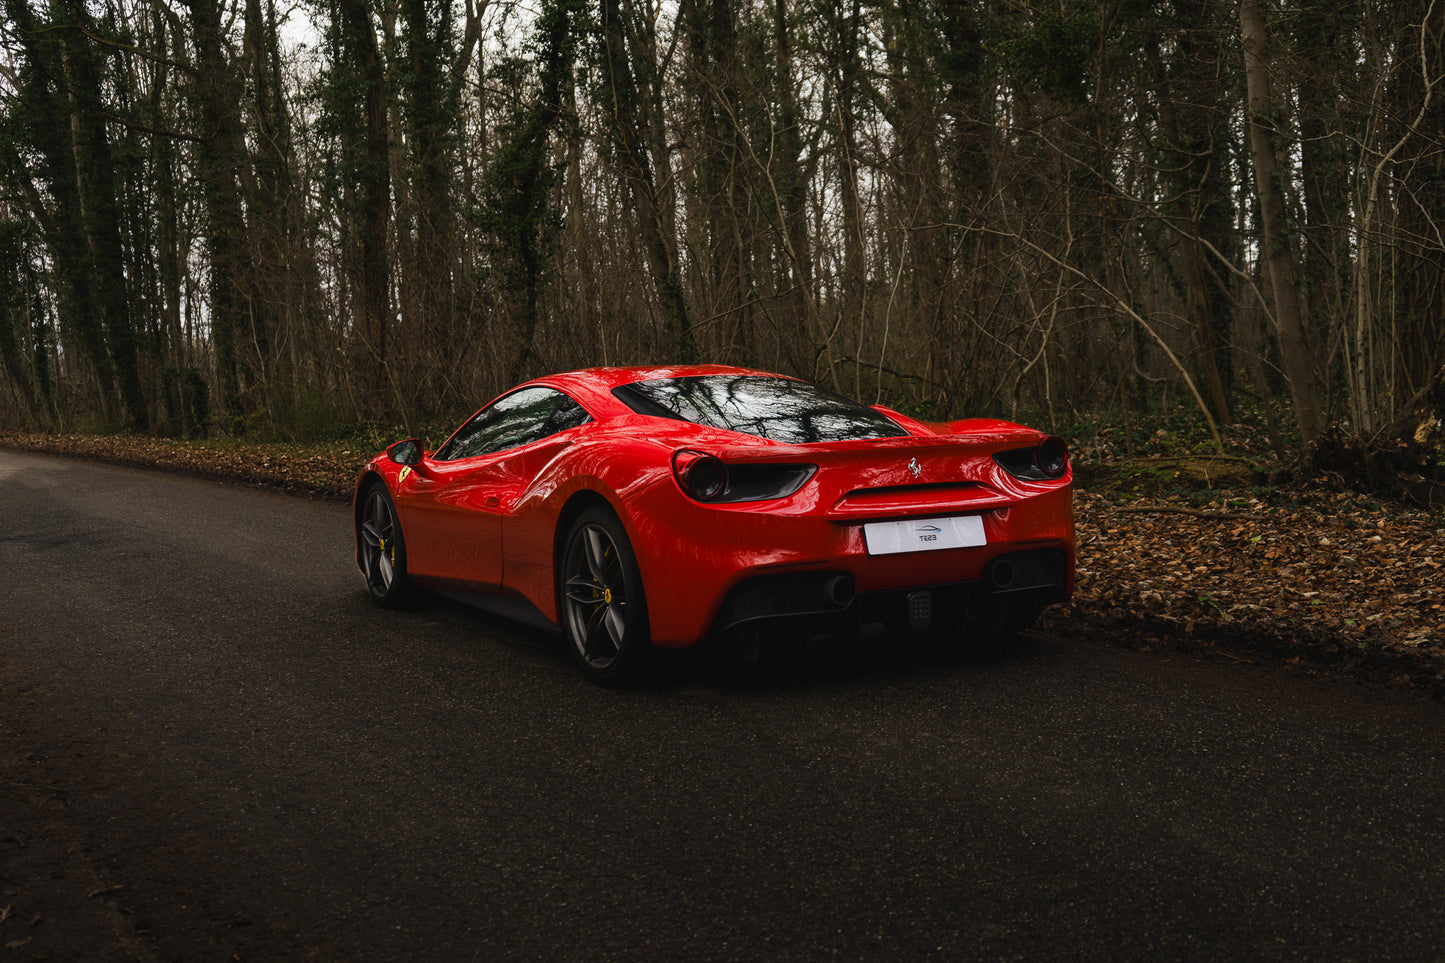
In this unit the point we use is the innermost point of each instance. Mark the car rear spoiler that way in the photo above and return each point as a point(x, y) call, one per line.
point(996, 436)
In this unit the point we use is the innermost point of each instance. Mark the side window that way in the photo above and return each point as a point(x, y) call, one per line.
point(520, 418)
point(569, 414)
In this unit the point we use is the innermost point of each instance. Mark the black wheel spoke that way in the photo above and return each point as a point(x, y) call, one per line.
point(597, 546)
point(616, 624)
point(595, 633)
point(583, 590)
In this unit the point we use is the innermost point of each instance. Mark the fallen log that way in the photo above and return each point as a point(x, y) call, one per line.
point(1404, 459)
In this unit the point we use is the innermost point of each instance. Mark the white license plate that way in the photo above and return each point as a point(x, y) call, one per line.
point(924, 534)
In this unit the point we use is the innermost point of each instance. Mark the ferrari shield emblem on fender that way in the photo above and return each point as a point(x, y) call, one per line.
point(914, 467)
point(406, 470)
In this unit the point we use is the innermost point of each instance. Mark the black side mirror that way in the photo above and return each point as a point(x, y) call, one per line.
point(408, 452)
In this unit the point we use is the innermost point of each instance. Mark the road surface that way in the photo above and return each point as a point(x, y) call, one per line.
point(215, 747)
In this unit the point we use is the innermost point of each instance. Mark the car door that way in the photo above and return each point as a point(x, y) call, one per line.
point(456, 500)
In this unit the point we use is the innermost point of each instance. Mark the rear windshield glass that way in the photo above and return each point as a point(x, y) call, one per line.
point(779, 409)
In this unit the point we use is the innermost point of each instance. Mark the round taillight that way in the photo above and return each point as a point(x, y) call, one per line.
point(1051, 457)
point(702, 476)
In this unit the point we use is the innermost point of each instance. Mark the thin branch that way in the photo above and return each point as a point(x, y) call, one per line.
point(154, 131)
point(128, 48)
point(1123, 306)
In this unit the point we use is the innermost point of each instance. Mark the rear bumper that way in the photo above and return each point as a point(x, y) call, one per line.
point(829, 599)
point(710, 569)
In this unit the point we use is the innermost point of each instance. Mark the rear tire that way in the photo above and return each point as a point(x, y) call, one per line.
point(600, 599)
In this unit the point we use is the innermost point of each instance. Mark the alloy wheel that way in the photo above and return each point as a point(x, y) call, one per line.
point(379, 537)
point(595, 589)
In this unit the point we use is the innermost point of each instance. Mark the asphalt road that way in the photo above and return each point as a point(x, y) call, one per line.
point(214, 747)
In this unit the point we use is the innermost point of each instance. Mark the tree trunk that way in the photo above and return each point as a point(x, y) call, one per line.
point(14, 310)
point(520, 181)
point(1278, 256)
point(221, 155)
point(623, 109)
point(846, 76)
point(1190, 120)
point(375, 189)
point(790, 194)
point(1324, 165)
point(921, 209)
point(718, 172)
point(429, 117)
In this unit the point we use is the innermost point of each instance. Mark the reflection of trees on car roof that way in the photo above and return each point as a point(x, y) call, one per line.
point(779, 409)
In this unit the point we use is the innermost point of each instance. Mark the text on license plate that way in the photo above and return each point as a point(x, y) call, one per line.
point(924, 534)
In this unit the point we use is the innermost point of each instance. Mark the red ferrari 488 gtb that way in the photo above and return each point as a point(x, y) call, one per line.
point(641, 508)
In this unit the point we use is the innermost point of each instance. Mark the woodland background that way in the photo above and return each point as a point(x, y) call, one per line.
point(233, 216)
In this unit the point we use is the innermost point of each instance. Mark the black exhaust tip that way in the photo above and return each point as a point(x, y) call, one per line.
point(840, 590)
point(1002, 574)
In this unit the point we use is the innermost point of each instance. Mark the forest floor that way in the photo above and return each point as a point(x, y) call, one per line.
point(1175, 551)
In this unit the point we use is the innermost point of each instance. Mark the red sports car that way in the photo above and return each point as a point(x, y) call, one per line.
point(642, 508)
